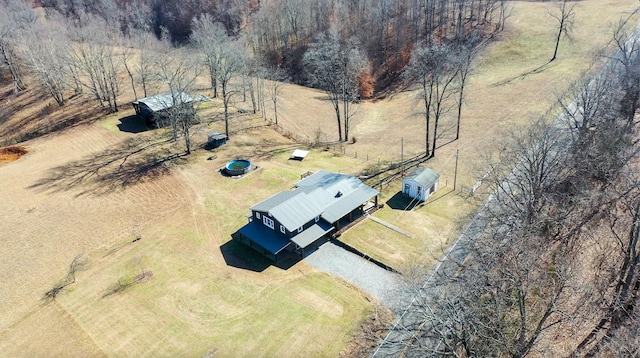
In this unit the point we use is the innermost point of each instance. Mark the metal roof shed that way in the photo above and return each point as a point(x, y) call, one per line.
point(299, 154)
point(421, 183)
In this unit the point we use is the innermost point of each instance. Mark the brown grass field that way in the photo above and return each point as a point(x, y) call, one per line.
point(91, 189)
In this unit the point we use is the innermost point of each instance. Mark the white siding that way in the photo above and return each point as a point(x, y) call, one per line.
point(414, 190)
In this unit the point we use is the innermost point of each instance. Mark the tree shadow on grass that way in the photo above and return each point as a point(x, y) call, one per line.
point(524, 75)
point(237, 254)
point(135, 161)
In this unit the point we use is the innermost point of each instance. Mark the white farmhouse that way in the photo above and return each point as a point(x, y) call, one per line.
point(420, 184)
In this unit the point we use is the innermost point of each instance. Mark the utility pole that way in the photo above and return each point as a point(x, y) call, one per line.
point(455, 172)
point(402, 156)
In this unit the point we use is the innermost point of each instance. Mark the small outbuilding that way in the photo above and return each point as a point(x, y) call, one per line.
point(420, 184)
point(299, 154)
point(215, 139)
point(155, 110)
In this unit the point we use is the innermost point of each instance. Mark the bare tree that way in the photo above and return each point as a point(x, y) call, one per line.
point(511, 292)
point(277, 77)
point(95, 60)
point(15, 17)
point(77, 264)
point(626, 63)
point(529, 163)
point(335, 66)
point(178, 70)
point(46, 55)
point(250, 71)
point(588, 102)
point(464, 60)
point(620, 271)
point(230, 66)
point(148, 48)
point(432, 67)
point(564, 17)
point(210, 37)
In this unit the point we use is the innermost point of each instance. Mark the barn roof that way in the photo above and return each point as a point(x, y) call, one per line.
point(423, 176)
point(164, 100)
point(325, 194)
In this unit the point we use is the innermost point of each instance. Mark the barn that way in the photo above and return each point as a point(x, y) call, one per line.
point(155, 109)
point(420, 184)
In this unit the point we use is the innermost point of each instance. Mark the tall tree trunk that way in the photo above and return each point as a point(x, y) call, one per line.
point(555, 51)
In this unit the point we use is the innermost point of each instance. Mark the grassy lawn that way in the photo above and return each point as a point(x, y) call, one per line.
point(432, 225)
point(191, 307)
point(201, 292)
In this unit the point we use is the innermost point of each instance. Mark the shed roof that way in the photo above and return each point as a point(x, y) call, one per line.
point(216, 136)
point(325, 194)
point(423, 176)
point(164, 100)
point(299, 154)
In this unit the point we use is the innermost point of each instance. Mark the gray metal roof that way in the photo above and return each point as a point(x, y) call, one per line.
point(216, 136)
point(312, 234)
point(290, 208)
point(348, 202)
point(423, 176)
point(325, 194)
point(165, 100)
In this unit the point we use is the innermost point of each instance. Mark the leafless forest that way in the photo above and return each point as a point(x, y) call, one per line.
point(554, 267)
point(352, 50)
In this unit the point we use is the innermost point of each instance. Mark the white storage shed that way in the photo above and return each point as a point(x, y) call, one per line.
point(420, 184)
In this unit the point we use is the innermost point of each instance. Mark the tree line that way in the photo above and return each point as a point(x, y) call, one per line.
point(554, 261)
point(88, 47)
point(280, 31)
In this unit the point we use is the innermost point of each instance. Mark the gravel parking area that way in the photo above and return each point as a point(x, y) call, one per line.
point(373, 279)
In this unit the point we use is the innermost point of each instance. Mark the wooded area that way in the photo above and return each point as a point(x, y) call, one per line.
point(554, 268)
point(352, 50)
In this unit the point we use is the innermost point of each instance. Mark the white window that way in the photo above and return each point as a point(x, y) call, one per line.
point(282, 229)
point(317, 218)
point(267, 221)
point(257, 215)
point(300, 229)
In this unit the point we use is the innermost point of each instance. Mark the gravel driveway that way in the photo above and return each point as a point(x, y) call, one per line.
point(373, 279)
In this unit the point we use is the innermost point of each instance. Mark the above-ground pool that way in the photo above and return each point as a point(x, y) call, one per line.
point(237, 167)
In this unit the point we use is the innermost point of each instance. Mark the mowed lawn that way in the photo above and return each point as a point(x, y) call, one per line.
point(201, 293)
point(198, 292)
